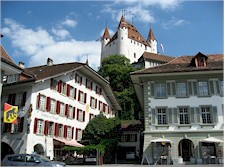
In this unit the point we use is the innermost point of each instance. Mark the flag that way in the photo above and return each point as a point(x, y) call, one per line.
point(161, 45)
point(10, 113)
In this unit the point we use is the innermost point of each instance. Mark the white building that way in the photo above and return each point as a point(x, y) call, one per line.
point(127, 41)
point(56, 102)
point(183, 109)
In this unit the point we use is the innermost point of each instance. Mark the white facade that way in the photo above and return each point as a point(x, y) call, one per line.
point(183, 108)
point(39, 94)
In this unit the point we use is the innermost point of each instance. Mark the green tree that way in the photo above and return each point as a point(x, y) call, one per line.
point(117, 69)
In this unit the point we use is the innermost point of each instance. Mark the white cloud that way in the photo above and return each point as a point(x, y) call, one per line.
point(69, 23)
point(38, 45)
point(61, 33)
point(173, 23)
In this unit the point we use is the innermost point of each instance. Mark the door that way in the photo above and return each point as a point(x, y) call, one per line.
point(186, 149)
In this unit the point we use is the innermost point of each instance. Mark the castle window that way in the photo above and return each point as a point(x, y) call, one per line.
point(121, 38)
point(131, 41)
point(134, 55)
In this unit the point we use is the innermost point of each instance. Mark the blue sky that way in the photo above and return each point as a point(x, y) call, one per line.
point(66, 31)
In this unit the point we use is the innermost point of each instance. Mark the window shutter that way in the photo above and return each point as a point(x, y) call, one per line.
point(82, 133)
point(75, 78)
point(91, 85)
point(152, 90)
point(83, 116)
point(170, 113)
point(58, 107)
point(212, 91)
point(74, 112)
point(96, 103)
point(48, 104)
point(51, 84)
point(217, 87)
point(173, 88)
point(79, 95)
point(65, 131)
point(198, 114)
point(68, 90)
point(76, 133)
point(175, 115)
point(75, 93)
point(60, 86)
point(90, 100)
point(214, 114)
point(38, 100)
point(56, 129)
point(153, 117)
point(85, 97)
point(66, 110)
point(46, 128)
point(20, 129)
point(99, 104)
point(24, 99)
point(190, 92)
point(100, 91)
point(35, 125)
point(195, 88)
point(168, 89)
point(77, 114)
point(72, 133)
point(81, 80)
point(192, 115)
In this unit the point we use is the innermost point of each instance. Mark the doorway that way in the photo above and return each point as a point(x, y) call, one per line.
point(39, 149)
point(5, 150)
point(186, 149)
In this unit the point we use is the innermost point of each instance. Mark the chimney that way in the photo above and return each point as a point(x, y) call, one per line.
point(49, 62)
point(22, 65)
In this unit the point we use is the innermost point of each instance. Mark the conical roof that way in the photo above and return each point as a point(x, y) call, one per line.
point(106, 33)
point(151, 35)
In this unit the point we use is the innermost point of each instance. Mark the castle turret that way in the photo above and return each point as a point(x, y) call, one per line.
point(105, 39)
point(122, 37)
point(152, 41)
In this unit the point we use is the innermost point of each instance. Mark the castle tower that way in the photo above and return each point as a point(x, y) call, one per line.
point(104, 40)
point(152, 41)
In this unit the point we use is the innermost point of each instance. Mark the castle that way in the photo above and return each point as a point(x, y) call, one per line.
point(127, 41)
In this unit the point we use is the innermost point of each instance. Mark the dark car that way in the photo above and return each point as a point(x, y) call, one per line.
point(30, 160)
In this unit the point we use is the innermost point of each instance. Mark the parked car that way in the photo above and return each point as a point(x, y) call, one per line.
point(30, 160)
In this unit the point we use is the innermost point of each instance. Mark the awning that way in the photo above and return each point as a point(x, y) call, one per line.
point(69, 142)
point(161, 140)
point(211, 139)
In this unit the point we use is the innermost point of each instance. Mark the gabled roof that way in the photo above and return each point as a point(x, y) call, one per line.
point(157, 57)
point(183, 64)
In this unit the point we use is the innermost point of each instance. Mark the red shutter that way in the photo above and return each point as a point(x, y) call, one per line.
point(91, 101)
point(38, 100)
point(58, 107)
point(72, 132)
point(76, 133)
point(65, 131)
point(76, 78)
point(99, 103)
point(90, 117)
point(82, 133)
point(74, 112)
point(56, 129)
point(66, 110)
point(83, 116)
point(75, 93)
point(96, 103)
point(78, 114)
point(79, 95)
point(46, 128)
point(60, 86)
point(85, 97)
point(68, 90)
point(100, 91)
point(48, 104)
point(35, 125)
point(81, 80)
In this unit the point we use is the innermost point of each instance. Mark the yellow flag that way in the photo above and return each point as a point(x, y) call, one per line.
point(10, 113)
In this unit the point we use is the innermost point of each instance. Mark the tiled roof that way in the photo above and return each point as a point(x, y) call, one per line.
point(151, 35)
point(43, 72)
point(6, 58)
point(106, 33)
point(133, 33)
point(157, 57)
point(182, 64)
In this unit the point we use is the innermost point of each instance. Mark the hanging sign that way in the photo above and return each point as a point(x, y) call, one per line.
point(10, 113)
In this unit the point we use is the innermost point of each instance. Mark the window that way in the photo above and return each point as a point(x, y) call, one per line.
point(42, 102)
point(40, 127)
point(88, 84)
point(60, 130)
point(69, 132)
point(78, 79)
point(93, 102)
point(70, 112)
point(21, 99)
point(162, 116)
point(71, 92)
point(78, 134)
point(100, 106)
point(91, 116)
point(11, 99)
point(82, 97)
point(64, 88)
point(184, 118)
point(124, 138)
point(12, 78)
point(206, 115)
point(98, 90)
point(62, 109)
point(80, 115)
point(54, 84)
point(181, 89)
point(203, 88)
point(221, 87)
point(51, 129)
point(134, 55)
point(53, 106)
point(133, 137)
point(160, 90)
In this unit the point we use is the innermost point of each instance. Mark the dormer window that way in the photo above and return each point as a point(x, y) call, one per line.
point(200, 60)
